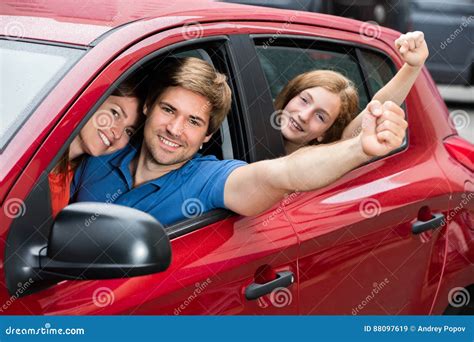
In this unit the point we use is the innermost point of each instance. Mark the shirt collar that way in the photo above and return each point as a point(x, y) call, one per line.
point(124, 158)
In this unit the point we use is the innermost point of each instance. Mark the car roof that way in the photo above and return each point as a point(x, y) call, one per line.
point(84, 22)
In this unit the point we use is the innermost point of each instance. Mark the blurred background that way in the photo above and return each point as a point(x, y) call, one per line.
point(449, 31)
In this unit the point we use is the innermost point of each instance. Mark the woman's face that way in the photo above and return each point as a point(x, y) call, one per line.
point(111, 126)
point(309, 115)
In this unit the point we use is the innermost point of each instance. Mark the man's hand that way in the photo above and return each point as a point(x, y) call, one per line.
point(413, 49)
point(383, 128)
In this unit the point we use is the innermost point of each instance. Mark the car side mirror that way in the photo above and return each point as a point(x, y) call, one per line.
point(101, 241)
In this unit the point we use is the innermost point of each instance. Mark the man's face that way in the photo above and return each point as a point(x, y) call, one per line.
point(176, 126)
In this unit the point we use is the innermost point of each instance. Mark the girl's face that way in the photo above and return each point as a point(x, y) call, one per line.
point(309, 115)
point(111, 126)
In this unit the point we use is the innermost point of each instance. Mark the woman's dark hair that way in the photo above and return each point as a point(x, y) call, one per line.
point(133, 86)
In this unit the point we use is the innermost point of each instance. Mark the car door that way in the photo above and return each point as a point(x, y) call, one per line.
point(221, 263)
point(374, 241)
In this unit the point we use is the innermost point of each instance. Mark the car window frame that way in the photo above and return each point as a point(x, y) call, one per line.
point(357, 48)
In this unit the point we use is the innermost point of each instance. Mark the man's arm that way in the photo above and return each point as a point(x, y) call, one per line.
point(253, 188)
point(414, 51)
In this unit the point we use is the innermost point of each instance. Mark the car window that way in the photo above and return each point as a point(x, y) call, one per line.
point(282, 63)
point(378, 69)
point(29, 71)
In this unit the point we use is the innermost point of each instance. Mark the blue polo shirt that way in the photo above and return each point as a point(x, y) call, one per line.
point(194, 188)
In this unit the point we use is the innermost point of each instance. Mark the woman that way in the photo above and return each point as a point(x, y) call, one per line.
point(320, 106)
point(109, 129)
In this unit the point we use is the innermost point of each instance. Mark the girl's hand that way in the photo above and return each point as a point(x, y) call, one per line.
point(413, 49)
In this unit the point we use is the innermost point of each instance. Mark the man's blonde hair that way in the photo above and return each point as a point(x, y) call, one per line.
point(195, 75)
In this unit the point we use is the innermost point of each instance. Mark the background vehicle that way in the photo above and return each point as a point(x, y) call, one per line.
point(354, 247)
point(449, 32)
point(388, 13)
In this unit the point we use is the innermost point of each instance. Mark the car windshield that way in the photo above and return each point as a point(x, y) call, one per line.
point(29, 72)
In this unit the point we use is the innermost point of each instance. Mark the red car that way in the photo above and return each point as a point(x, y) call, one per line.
point(394, 236)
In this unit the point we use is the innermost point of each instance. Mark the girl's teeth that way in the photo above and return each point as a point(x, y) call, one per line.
point(104, 139)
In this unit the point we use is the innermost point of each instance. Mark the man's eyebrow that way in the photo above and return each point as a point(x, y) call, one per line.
point(198, 118)
point(169, 105)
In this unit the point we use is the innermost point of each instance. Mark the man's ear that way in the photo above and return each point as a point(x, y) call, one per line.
point(145, 109)
point(207, 138)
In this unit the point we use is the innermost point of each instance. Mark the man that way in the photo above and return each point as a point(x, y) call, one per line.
point(185, 106)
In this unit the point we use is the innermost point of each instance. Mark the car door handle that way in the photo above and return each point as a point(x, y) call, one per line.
point(283, 279)
point(422, 226)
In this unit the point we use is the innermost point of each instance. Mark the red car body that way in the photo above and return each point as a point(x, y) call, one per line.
point(343, 262)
